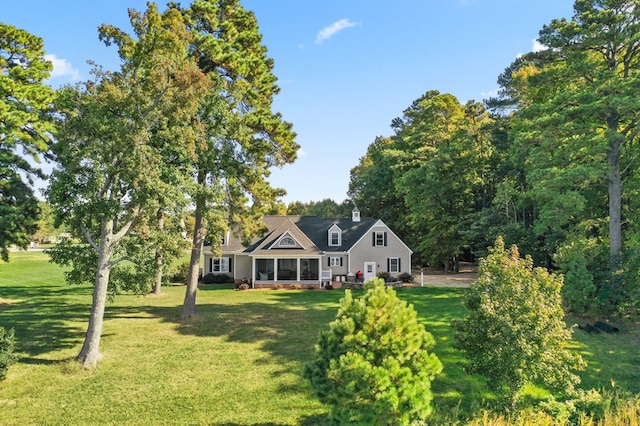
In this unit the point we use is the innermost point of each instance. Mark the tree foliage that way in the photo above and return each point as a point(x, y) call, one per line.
point(118, 162)
point(374, 365)
point(551, 164)
point(514, 333)
point(24, 131)
point(243, 138)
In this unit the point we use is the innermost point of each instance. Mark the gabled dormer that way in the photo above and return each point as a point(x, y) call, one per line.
point(334, 236)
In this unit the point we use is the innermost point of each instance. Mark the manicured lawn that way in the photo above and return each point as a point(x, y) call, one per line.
point(238, 363)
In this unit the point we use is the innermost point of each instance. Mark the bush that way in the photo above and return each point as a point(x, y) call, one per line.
point(515, 332)
point(7, 346)
point(216, 279)
point(181, 273)
point(384, 275)
point(406, 277)
point(373, 365)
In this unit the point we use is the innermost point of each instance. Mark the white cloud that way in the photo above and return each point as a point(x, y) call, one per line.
point(301, 153)
point(537, 46)
point(333, 29)
point(62, 68)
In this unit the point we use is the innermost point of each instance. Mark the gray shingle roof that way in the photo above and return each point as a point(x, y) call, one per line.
point(312, 232)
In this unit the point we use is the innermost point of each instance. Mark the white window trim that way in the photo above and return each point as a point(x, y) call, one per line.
point(334, 261)
point(223, 265)
point(379, 238)
point(335, 230)
point(397, 265)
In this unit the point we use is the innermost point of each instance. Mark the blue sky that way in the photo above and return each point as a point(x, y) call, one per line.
point(346, 68)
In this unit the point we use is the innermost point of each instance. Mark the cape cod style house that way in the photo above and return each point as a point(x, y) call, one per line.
point(311, 251)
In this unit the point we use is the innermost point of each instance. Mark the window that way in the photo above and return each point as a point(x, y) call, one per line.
point(287, 242)
point(335, 238)
point(287, 269)
point(335, 261)
point(379, 239)
point(264, 269)
point(309, 269)
point(220, 264)
point(394, 265)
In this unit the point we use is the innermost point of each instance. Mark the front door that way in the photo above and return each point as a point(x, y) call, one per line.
point(369, 270)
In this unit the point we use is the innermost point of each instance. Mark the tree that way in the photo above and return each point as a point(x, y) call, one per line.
point(324, 208)
point(580, 114)
point(118, 161)
point(243, 138)
point(445, 154)
point(24, 101)
point(515, 333)
point(373, 365)
point(372, 185)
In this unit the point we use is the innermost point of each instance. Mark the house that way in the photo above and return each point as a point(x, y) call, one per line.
point(311, 251)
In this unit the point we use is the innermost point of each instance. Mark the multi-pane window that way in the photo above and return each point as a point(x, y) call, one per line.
point(287, 242)
point(379, 239)
point(334, 239)
point(394, 265)
point(220, 264)
point(334, 261)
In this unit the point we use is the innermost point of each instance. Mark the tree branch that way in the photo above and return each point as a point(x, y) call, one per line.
point(89, 238)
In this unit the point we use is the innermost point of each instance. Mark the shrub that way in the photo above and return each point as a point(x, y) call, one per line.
point(7, 346)
point(384, 275)
point(181, 273)
point(373, 365)
point(216, 279)
point(515, 332)
point(406, 277)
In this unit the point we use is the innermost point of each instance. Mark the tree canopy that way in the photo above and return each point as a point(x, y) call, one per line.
point(551, 163)
point(24, 131)
point(117, 161)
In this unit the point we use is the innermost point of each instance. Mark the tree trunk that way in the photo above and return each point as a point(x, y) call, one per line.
point(90, 352)
point(189, 306)
point(157, 287)
point(615, 196)
point(199, 232)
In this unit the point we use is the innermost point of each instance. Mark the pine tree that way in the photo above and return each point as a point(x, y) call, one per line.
point(373, 365)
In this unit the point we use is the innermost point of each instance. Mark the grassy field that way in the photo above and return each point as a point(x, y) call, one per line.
point(238, 363)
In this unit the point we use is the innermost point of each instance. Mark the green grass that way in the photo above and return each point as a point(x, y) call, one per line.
point(239, 362)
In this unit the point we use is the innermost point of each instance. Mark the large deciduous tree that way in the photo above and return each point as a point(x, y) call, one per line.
point(23, 126)
point(123, 147)
point(243, 139)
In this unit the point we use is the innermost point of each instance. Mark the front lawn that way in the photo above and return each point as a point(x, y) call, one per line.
point(238, 363)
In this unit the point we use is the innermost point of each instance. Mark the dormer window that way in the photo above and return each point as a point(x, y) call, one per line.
point(335, 236)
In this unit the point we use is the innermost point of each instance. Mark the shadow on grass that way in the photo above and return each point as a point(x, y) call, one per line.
point(45, 318)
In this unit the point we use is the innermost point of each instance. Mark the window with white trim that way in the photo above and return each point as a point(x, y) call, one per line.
point(335, 261)
point(379, 238)
point(394, 265)
point(220, 264)
point(287, 242)
point(334, 238)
